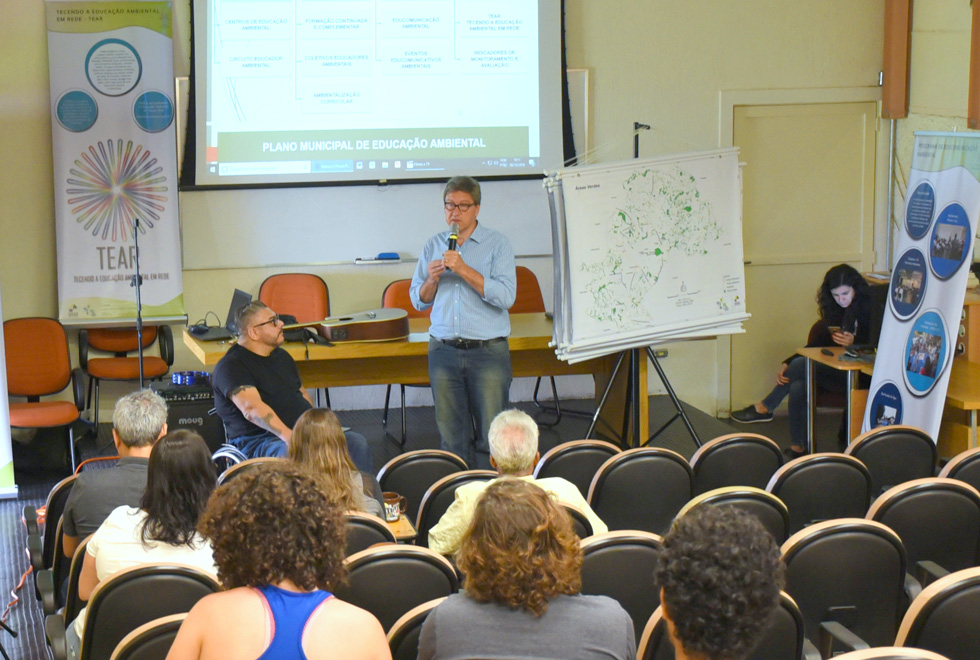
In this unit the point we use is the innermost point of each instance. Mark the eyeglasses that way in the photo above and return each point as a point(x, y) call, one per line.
point(273, 320)
point(464, 207)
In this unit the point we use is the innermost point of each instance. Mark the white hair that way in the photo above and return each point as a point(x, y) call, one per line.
point(513, 441)
point(139, 417)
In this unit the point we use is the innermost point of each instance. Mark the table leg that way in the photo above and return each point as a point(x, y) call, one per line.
point(973, 428)
point(851, 377)
point(811, 404)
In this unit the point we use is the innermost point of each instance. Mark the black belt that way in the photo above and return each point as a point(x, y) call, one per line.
point(467, 344)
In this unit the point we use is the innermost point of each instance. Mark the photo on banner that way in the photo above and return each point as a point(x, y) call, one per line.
point(115, 170)
point(928, 284)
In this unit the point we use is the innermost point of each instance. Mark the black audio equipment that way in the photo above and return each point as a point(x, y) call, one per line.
point(189, 407)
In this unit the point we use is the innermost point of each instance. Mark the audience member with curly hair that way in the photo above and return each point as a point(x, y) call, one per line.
point(179, 479)
point(279, 546)
point(318, 443)
point(522, 564)
point(720, 576)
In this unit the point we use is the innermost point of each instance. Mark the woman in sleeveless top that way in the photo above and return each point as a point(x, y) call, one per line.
point(318, 443)
point(279, 546)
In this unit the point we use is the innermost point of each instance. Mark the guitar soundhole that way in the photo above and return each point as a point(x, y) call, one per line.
point(346, 318)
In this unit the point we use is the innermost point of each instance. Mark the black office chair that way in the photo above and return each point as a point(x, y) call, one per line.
point(151, 641)
point(365, 530)
point(641, 488)
point(737, 459)
point(894, 455)
point(576, 461)
point(847, 575)
point(403, 638)
point(389, 580)
point(120, 604)
point(45, 550)
point(766, 507)
point(938, 521)
point(580, 523)
point(622, 565)
point(440, 496)
point(412, 473)
point(820, 487)
point(965, 466)
point(238, 469)
point(944, 617)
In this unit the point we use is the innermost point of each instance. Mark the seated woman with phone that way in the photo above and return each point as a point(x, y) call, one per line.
point(844, 302)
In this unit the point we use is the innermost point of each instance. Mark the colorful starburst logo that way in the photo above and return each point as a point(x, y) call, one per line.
point(115, 182)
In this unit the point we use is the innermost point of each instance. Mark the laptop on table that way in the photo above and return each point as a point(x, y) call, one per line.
point(230, 329)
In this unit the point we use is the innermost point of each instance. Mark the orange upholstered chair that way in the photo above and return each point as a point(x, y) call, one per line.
point(396, 296)
point(120, 342)
point(38, 364)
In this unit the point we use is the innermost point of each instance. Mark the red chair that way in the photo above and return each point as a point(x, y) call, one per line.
point(38, 364)
point(121, 366)
point(396, 296)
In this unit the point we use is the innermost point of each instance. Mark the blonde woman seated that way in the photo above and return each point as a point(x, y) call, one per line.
point(523, 565)
point(279, 545)
point(318, 443)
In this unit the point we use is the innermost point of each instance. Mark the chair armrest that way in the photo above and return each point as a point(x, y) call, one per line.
point(78, 387)
point(83, 349)
point(30, 519)
point(48, 591)
point(54, 632)
point(834, 635)
point(810, 651)
point(912, 589)
point(35, 550)
point(167, 344)
point(927, 572)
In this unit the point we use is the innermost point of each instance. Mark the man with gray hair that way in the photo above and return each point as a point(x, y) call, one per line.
point(138, 421)
point(514, 452)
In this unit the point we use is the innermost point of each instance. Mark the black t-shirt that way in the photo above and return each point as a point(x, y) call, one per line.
point(276, 379)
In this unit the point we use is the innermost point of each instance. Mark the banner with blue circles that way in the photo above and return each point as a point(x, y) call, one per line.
point(928, 283)
point(115, 159)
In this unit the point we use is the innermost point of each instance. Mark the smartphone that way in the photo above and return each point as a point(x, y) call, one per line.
point(833, 328)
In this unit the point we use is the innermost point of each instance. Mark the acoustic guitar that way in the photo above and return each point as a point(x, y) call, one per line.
point(388, 324)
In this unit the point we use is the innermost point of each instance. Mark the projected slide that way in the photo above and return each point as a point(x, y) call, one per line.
point(374, 89)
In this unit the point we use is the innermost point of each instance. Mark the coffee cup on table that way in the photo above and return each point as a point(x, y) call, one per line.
point(394, 506)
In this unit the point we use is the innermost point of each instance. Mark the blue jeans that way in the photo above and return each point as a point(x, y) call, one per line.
point(469, 388)
point(825, 378)
point(269, 444)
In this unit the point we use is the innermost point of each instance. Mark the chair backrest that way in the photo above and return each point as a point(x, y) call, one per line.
point(390, 580)
point(365, 530)
point(37, 359)
point(97, 463)
point(737, 459)
point(943, 618)
point(937, 519)
point(529, 298)
point(894, 455)
point(238, 469)
point(302, 295)
point(54, 507)
point(848, 570)
point(440, 495)
point(766, 507)
point(577, 461)
point(822, 487)
point(622, 565)
point(120, 603)
point(413, 473)
point(396, 296)
point(151, 641)
point(965, 466)
point(120, 340)
point(782, 640)
point(891, 653)
point(641, 488)
point(403, 638)
point(73, 603)
point(580, 524)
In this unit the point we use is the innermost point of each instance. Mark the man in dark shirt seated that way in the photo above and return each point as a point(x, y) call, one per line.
point(258, 392)
point(138, 421)
point(720, 575)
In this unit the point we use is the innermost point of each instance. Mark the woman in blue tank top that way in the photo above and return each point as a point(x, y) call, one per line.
point(279, 546)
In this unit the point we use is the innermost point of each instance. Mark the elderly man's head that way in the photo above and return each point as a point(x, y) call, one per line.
point(139, 419)
point(514, 442)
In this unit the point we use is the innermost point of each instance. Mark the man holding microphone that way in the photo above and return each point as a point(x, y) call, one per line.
point(467, 276)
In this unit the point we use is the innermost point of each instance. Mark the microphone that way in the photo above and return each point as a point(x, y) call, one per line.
point(453, 235)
